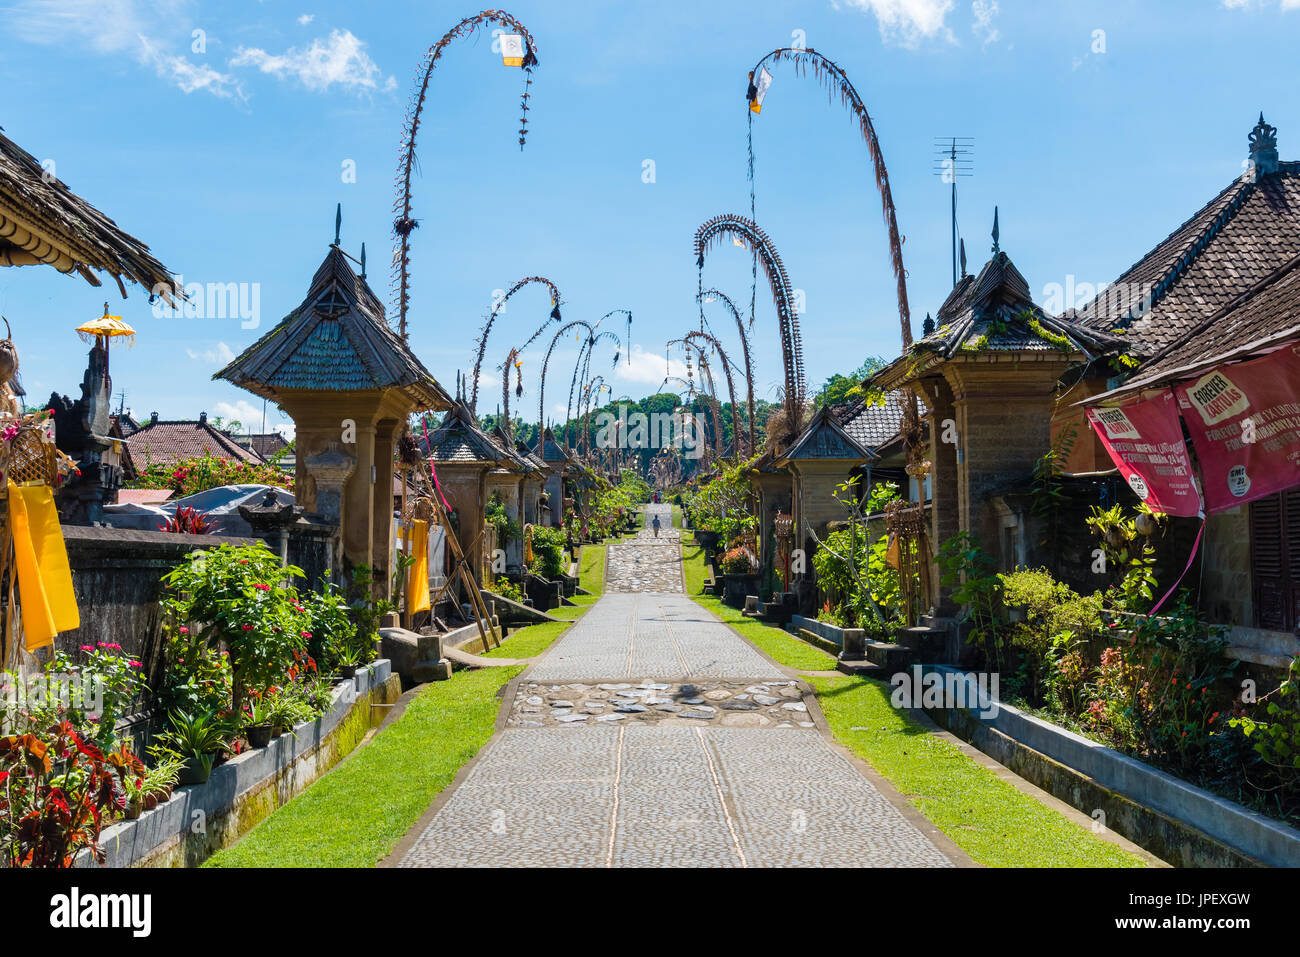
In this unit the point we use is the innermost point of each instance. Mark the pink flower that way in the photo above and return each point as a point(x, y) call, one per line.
point(135, 664)
point(306, 634)
point(183, 630)
point(87, 647)
point(247, 627)
point(262, 587)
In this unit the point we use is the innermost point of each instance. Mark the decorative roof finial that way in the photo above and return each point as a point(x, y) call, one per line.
point(962, 247)
point(927, 327)
point(1263, 148)
point(363, 260)
point(996, 248)
point(338, 222)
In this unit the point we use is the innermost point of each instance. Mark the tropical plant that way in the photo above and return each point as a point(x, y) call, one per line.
point(331, 625)
point(56, 793)
point(1277, 739)
point(188, 521)
point(240, 596)
point(200, 736)
point(738, 561)
point(1131, 563)
point(971, 575)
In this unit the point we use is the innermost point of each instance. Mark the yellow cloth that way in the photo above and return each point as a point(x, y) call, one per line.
point(417, 575)
point(41, 558)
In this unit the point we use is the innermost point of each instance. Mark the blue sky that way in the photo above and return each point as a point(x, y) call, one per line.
point(226, 151)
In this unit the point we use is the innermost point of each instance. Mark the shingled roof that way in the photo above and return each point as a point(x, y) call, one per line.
point(871, 424)
point(162, 442)
point(1243, 235)
point(995, 311)
point(552, 451)
point(44, 222)
point(1260, 320)
point(337, 340)
point(825, 439)
point(531, 457)
point(459, 439)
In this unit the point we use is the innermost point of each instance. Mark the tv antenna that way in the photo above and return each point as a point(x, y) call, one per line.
point(954, 159)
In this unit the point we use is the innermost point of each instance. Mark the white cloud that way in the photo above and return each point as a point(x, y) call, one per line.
point(340, 60)
point(117, 28)
point(189, 76)
point(306, 18)
point(1245, 4)
point(106, 26)
point(908, 22)
point(983, 28)
point(647, 368)
point(219, 356)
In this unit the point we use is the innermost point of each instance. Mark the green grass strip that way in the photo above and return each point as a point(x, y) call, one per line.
point(355, 815)
point(986, 817)
point(778, 644)
point(531, 641)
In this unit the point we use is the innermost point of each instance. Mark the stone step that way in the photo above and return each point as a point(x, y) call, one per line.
point(889, 655)
point(864, 669)
point(926, 641)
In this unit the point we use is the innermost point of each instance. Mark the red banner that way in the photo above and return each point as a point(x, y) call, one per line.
point(1146, 442)
point(1245, 425)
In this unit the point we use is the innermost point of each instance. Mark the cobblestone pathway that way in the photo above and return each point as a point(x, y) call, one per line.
point(704, 754)
point(650, 563)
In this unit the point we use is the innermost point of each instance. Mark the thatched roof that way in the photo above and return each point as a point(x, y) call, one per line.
point(337, 340)
point(44, 222)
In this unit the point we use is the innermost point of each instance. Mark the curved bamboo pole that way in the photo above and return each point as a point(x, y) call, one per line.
point(546, 362)
point(731, 224)
point(749, 368)
point(492, 318)
point(404, 225)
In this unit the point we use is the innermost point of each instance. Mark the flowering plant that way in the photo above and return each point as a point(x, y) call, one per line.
point(110, 682)
point(239, 597)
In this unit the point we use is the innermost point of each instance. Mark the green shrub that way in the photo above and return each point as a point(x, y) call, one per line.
point(548, 552)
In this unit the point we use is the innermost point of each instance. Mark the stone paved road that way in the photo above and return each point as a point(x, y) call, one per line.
point(649, 564)
point(668, 792)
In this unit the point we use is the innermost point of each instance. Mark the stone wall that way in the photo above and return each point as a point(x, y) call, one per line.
point(116, 576)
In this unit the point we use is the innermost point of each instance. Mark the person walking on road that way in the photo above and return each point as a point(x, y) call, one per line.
point(655, 524)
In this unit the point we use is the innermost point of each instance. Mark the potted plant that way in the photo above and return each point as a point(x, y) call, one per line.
point(259, 721)
point(160, 779)
point(288, 708)
point(349, 659)
point(196, 740)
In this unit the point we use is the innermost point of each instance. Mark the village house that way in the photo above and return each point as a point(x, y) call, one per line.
point(1220, 290)
point(164, 443)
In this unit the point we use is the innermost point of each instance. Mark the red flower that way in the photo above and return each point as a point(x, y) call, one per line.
point(261, 587)
point(247, 627)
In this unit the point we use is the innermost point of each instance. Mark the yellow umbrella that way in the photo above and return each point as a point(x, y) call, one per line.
point(106, 327)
